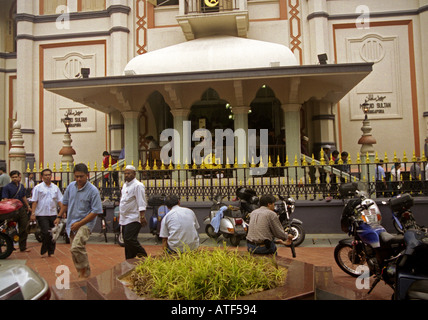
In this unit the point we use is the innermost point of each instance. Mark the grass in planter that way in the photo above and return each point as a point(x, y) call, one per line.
point(205, 275)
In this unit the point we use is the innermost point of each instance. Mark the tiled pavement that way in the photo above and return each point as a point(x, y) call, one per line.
point(317, 249)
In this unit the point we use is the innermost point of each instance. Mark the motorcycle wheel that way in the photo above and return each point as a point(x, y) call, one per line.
point(209, 230)
point(38, 235)
point(298, 233)
point(6, 246)
point(235, 240)
point(343, 257)
point(120, 240)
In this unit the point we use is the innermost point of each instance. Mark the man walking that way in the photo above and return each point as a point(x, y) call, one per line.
point(132, 211)
point(16, 190)
point(179, 227)
point(46, 198)
point(264, 227)
point(82, 203)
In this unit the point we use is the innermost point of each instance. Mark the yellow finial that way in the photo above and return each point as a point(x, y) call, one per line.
point(89, 166)
point(358, 158)
point(313, 160)
point(34, 168)
point(140, 167)
point(331, 162)
point(295, 161)
point(367, 158)
point(286, 161)
point(244, 164)
point(423, 158)
point(227, 163)
point(376, 158)
point(322, 160)
point(155, 167)
point(54, 167)
point(124, 164)
point(60, 167)
point(278, 163)
point(304, 163)
point(177, 166)
point(404, 156)
point(395, 159)
point(253, 165)
point(28, 168)
point(68, 167)
point(414, 156)
point(110, 168)
point(147, 165)
point(41, 166)
point(186, 165)
point(385, 159)
point(170, 167)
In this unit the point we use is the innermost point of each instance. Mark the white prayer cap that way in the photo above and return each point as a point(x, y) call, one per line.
point(129, 167)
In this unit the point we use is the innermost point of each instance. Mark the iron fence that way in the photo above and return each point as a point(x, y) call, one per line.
point(308, 179)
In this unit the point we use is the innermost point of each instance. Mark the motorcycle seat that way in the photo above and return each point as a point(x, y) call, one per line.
point(388, 239)
point(418, 290)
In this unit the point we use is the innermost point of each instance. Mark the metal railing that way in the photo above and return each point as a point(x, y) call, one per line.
point(307, 179)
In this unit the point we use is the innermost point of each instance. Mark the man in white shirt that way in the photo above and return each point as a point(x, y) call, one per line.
point(46, 198)
point(132, 210)
point(179, 227)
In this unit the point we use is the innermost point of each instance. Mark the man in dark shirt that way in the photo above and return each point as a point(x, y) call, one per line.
point(16, 190)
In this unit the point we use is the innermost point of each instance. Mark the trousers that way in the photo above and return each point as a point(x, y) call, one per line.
point(46, 223)
point(78, 251)
point(133, 247)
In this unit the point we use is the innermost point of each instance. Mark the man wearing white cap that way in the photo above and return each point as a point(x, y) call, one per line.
point(132, 210)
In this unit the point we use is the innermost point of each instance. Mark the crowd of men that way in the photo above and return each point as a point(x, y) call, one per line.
point(81, 204)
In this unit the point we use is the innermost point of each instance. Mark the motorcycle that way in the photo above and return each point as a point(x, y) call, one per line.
point(227, 221)
point(159, 210)
point(403, 218)
point(410, 271)
point(248, 202)
point(8, 229)
point(284, 208)
point(370, 245)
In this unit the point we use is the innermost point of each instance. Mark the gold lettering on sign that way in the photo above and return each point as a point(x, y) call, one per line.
point(211, 3)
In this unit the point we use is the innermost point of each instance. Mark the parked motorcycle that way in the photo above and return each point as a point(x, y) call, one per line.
point(248, 201)
point(227, 221)
point(284, 208)
point(8, 229)
point(410, 271)
point(369, 244)
point(159, 210)
point(403, 218)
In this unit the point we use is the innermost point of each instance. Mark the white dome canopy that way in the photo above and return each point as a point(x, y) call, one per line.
point(212, 53)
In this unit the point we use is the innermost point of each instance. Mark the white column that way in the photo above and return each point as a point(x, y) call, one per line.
point(318, 30)
point(182, 147)
point(241, 133)
point(292, 130)
point(26, 77)
point(131, 119)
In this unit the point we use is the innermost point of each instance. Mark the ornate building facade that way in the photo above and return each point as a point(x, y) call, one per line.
point(214, 64)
